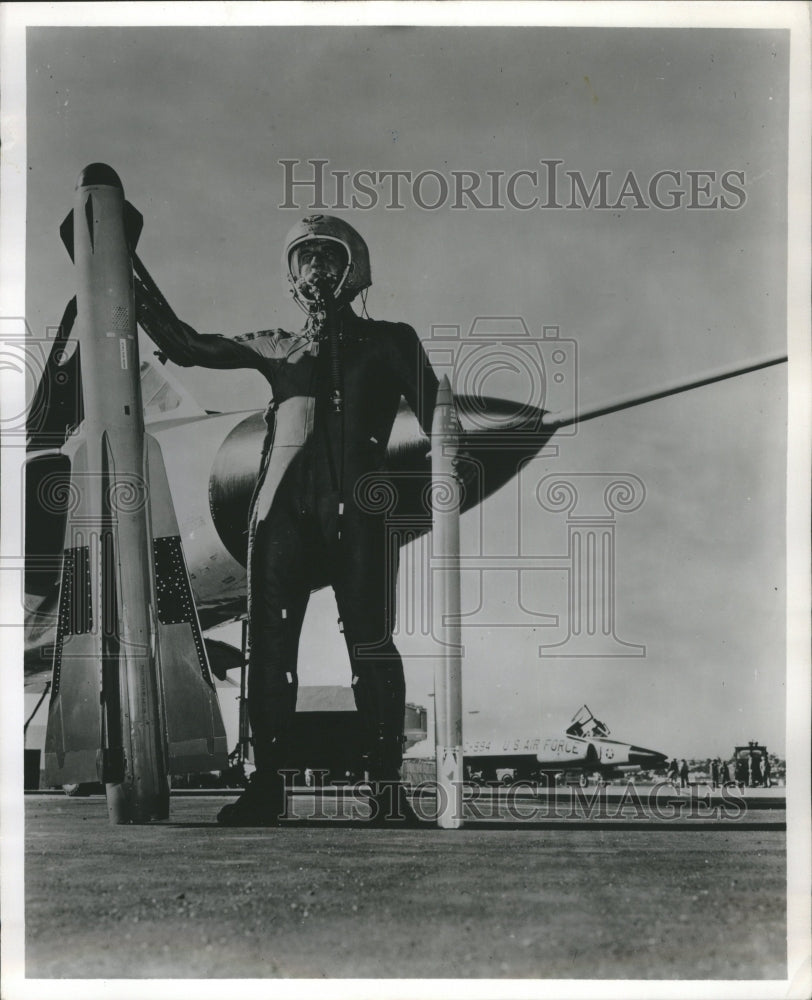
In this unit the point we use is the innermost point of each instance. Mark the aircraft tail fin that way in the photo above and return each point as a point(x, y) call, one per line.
point(164, 396)
point(56, 406)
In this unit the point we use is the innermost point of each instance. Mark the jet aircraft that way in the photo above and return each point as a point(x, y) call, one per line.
point(583, 748)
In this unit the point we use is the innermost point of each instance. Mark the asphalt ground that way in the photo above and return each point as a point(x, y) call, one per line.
point(551, 899)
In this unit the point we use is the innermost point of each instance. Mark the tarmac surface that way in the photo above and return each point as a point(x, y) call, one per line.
point(555, 899)
point(560, 899)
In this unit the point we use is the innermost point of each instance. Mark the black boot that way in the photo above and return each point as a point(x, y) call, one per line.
point(261, 804)
point(389, 806)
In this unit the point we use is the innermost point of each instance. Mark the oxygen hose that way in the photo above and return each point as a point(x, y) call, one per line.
point(337, 399)
point(337, 393)
point(325, 323)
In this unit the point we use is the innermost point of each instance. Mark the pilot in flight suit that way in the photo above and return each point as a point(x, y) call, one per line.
point(336, 387)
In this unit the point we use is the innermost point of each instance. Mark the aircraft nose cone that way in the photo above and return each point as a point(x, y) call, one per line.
point(486, 415)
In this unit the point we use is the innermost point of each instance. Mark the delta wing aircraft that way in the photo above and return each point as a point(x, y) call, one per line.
point(583, 748)
point(136, 510)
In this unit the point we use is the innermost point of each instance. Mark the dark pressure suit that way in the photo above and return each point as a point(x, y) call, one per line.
point(314, 514)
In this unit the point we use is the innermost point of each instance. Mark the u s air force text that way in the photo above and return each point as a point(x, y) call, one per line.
point(551, 744)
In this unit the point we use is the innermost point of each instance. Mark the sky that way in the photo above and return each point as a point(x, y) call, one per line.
point(196, 122)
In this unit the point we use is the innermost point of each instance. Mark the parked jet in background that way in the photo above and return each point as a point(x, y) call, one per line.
point(584, 748)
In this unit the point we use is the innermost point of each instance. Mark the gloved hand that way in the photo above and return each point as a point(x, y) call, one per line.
point(149, 314)
point(160, 324)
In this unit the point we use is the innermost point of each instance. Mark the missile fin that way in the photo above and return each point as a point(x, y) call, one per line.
point(90, 222)
point(66, 232)
point(89, 219)
point(133, 224)
point(74, 714)
point(196, 738)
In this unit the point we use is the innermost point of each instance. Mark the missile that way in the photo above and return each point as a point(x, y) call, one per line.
point(107, 625)
point(446, 495)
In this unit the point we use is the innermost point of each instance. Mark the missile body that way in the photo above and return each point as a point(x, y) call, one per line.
point(107, 633)
point(446, 496)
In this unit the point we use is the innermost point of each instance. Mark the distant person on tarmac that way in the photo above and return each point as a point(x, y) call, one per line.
point(714, 771)
point(726, 779)
point(683, 774)
point(673, 772)
point(767, 772)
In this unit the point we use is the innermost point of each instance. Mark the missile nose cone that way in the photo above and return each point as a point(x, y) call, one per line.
point(99, 173)
point(444, 394)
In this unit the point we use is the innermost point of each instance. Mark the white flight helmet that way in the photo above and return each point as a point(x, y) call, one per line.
point(357, 275)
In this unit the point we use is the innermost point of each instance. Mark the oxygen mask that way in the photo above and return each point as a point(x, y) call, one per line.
point(318, 268)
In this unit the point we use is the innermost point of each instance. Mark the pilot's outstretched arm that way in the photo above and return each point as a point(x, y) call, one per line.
point(182, 344)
